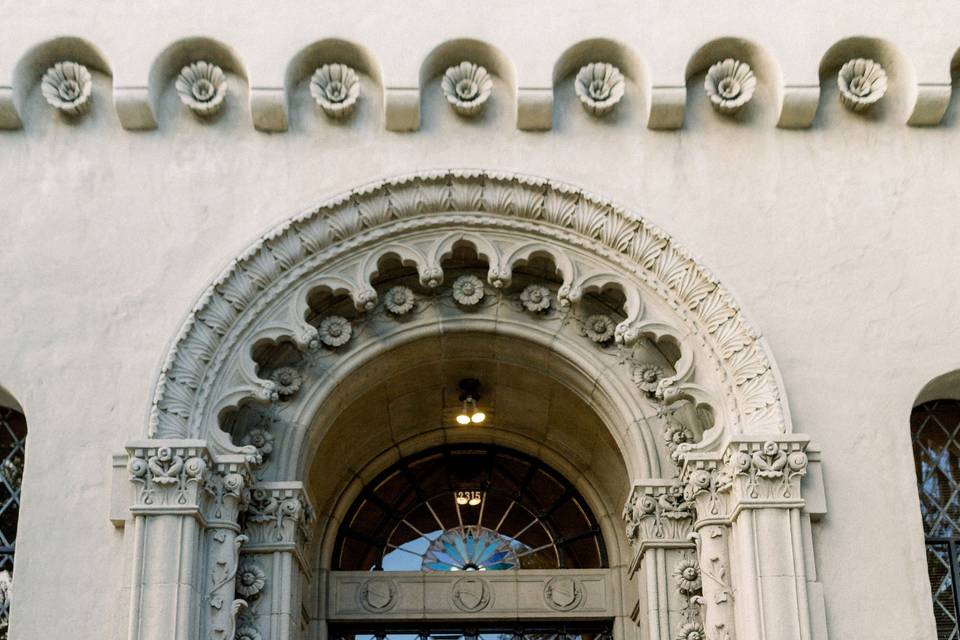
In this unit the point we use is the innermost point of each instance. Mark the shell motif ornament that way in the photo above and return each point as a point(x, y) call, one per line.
point(202, 86)
point(336, 88)
point(862, 83)
point(729, 85)
point(467, 87)
point(68, 87)
point(600, 87)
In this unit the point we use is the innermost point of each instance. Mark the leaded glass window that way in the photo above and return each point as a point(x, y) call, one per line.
point(469, 508)
point(13, 433)
point(935, 427)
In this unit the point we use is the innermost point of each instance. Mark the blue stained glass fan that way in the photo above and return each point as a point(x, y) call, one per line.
point(470, 549)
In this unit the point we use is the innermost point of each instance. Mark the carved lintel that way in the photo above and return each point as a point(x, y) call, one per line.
point(657, 516)
point(169, 476)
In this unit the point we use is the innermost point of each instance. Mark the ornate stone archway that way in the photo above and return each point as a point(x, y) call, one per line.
point(735, 451)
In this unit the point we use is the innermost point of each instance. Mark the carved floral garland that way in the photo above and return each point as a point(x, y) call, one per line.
point(556, 209)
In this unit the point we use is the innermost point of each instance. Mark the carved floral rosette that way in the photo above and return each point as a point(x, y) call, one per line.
point(278, 515)
point(862, 83)
point(202, 86)
point(600, 87)
point(336, 88)
point(467, 88)
point(729, 84)
point(68, 86)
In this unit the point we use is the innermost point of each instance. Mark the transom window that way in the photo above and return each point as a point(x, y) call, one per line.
point(935, 427)
point(469, 508)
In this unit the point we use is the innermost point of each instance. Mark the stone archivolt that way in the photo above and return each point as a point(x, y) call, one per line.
point(734, 501)
point(507, 218)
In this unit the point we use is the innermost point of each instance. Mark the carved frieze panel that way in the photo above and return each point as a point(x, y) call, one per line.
point(586, 593)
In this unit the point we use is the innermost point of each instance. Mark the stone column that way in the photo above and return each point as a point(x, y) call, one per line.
point(273, 571)
point(757, 484)
point(169, 476)
point(659, 526)
point(704, 480)
point(222, 503)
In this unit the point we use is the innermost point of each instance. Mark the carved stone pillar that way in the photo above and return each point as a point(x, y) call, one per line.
point(707, 487)
point(223, 500)
point(166, 587)
point(659, 523)
point(273, 570)
point(756, 485)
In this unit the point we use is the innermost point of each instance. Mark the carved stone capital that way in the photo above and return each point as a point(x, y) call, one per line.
point(225, 492)
point(279, 518)
point(657, 516)
point(169, 476)
point(751, 473)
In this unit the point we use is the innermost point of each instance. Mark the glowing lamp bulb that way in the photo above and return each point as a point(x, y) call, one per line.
point(478, 417)
point(463, 419)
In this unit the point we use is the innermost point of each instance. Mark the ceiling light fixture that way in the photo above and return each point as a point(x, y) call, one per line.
point(470, 413)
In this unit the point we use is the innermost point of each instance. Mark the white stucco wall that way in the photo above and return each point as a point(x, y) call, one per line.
point(841, 241)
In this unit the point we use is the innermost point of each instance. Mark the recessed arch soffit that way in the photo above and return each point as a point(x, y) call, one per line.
point(263, 297)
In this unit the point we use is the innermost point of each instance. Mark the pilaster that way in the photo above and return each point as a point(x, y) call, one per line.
point(659, 524)
point(273, 570)
point(751, 540)
point(169, 478)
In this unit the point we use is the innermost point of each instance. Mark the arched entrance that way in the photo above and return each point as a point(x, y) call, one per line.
point(330, 351)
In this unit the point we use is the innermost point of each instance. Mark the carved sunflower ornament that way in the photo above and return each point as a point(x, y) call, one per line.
point(600, 86)
point(288, 381)
point(467, 88)
point(67, 87)
point(335, 331)
point(202, 86)
point(599, 328)
point(468, 290)
point(336, 88)
point(729, 84)
point(250, 579)
point(399, 300)
point(862, 83)
point(535, 298)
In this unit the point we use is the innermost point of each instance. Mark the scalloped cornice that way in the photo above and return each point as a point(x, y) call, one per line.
point(577, 217)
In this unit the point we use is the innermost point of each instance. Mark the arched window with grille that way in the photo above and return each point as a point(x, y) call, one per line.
point(935, 428)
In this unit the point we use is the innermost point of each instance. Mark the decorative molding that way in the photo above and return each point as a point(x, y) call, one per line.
point(600, 87)
point(467, 88)
point(470, 594)
point(336, 88)
point(168, 477)
point(553, 210)
point(68, 87)
point(202, 86)
point(563, 593)
point(278, 517)
point(508, 595)
point(729, 85)
point(862, 83)
point(657, 516)
point(378, 595)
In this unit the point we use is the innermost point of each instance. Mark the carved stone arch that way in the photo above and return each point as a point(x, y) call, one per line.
point(755, 402)
point(681, 383)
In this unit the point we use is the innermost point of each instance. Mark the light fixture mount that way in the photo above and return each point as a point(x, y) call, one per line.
point(469, 395)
